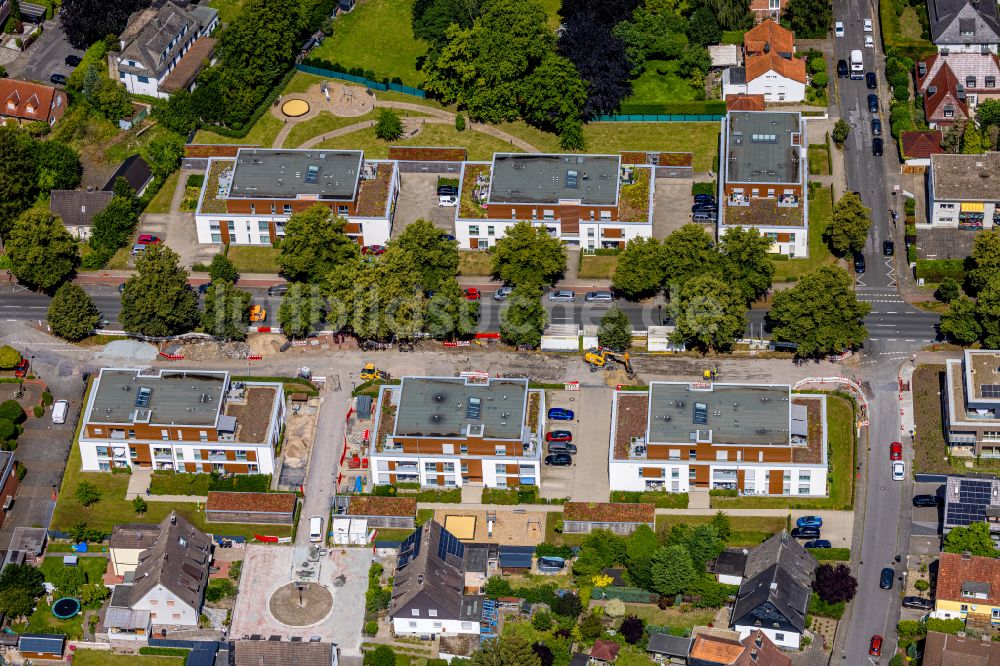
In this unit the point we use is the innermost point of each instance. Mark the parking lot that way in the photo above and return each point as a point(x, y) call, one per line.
point(925, 531)
point(671, 205)
point(418, 199)
point(587, 479)
point(47, 56)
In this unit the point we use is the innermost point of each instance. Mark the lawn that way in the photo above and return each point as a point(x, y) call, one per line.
point(106, 658)
point(480, 146)
point(652, 87)
point(747, 530)
point(180, 484)
point(819, 160)
point(119, 260)
point(929, 448)
point(261, 134)
point(598, 266)
point(228, 9)
point(321, 124)
point(161, 202)
point(42, 621)
point(820, 213)
point(377, 36)
point(702, 139)
point(909, 24)
point(842, 445)
point(552, 518)
point(93, 567)
point(253, 258)
point(675, 618)
point(475, 262)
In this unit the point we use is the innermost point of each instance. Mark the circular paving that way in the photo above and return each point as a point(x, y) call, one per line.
point(294, 108)
point(316, 604)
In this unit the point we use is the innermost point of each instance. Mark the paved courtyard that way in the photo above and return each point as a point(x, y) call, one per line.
point(264, 587)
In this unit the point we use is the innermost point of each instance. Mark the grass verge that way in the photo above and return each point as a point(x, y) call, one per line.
point(598, 266)
point(161, 202)
point(475, 262)
point(747, 530)
point(106, 658)
point(479, 146)
point(254, 258)
point(820, 214)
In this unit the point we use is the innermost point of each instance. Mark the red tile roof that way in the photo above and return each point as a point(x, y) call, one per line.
point(715, 650)
point(604, 650)
point(744, 102)
point(954, 570)
point(362, 505)
point(947, 650)
point(770, 33)
point(945, 85)
point(256, 502)
point(610, 512)
point(754, 650)
point(17, 96)
point(921, 144)
point(761, 64)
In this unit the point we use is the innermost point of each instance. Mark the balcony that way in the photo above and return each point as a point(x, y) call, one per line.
point(724, 475)
point(788, 201)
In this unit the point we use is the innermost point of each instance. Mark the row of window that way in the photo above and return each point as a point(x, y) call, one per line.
point(119, 433)
point(286, 209)
point(162, 452)
point(723, 455)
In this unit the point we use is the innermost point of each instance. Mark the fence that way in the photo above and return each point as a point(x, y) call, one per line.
point(374, 85)
point(674, 118)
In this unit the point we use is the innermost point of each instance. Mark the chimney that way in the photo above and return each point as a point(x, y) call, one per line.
point(173, 518)
point(758, 641)
point(966, 555)
point(774, 586)
point(420, 578)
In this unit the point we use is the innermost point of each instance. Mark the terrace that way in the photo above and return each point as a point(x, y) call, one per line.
point(763, 213)
point(387, 417)
point(812, 452)
point(374, 192)
point(634, 200)
point(475, 187)
point(217, 185)
point(630, 422)
point(252, 414)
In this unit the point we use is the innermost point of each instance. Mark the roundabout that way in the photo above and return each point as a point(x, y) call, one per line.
point(300, 604)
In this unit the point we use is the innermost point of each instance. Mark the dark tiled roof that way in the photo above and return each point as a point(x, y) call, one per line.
point(178, 561)
point(779, 572)
point(135, 535)
point(281, 653)
point(673, 646)
point(948, 650)
point(77, 208)
point(730, 563)
point(430, 565)
point(134, 170)
point(256, 502)
point(950, 18)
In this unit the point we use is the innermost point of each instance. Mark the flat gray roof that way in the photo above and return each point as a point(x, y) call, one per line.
point(966, 177)
point(541, 179)
point(448, 406)
point(289, 174)
point(734, 413)
point(166, 397)
point(760, 149)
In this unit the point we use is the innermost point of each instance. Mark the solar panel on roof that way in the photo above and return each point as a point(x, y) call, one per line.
point(991, 390)
point(474, 409)
point(312, 174)
point(974, 497)
point(449, 545)
point(410, 548)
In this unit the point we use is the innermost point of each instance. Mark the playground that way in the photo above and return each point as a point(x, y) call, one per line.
point(345, 101)
point(513, 527)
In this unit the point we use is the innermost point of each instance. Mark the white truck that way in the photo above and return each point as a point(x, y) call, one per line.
point(857, 64)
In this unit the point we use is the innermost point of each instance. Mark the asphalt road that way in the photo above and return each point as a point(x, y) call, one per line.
point(46, 57)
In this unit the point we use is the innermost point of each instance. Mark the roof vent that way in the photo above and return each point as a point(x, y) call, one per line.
point(774, 586)
point(966, 555)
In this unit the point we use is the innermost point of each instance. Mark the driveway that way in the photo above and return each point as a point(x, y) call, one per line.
point(587, 479)
point(46, 56)
point(418, 199)
point(671, 203)
point(178, 231)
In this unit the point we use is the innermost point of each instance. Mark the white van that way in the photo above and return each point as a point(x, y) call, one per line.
point(316, 529)
point(59, 410)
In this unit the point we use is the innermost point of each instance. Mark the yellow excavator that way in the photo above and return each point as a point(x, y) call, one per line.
point(370, 372)
point(599, 357)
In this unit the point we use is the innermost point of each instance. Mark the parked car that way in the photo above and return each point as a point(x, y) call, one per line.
point(447, 201)
point(898, 470)
point(872, 103)
point(876, 127)
point(895, 451)
point(447, 190)
point(373, 250)
point(868, 25)
point(22, 368)
point(818, 543)
point(599, 297)
point(203, 288)
point(121, 288)
point(918, 603)
point(702, 198)
point(805, 532)
point(73, 60)
point(561, 414)
point(138, 249)
point(561, 447)
point(148, 239)
point(842, 70)
point(838, 29)
point(502, 293)
point(277, 290)
point(562, 295)
point(58, 79)
point(559, 436)
point(559, 460)
point(885, 579)
point(888, 248)
point(703, 216)
point(877, 147)
point(926, 500)
point(809, 521)
point(869, 42)
point(471, 294)
point(871, 82)
point(59, 410)
point(875, 646)
point(859, 263)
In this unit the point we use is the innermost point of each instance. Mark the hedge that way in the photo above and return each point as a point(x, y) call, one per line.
point(264, 107)
point(662, 500)
point(306, 386)
point(831, 554)
point(164, 651)
point(936, 270)
point(695, 108)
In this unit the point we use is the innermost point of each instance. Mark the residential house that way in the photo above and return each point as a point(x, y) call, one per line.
point(620, 518)
point(588, 201)
point(968, 588)
point(128, 541)
point(954, 650)
point(9, 483)
point(766, 9)
point(428, 591)
point(667, 649)
point(136, 173)
point(718, 647)
point(762, 184)
point(185, 420)
point(604, 652)
point(963, 192)
point(282, 653)
point(771, 68)
point(449, 431)
point(26, 546)
point(972, 403)
point(77, 209)
point(164, 47)
point(774, 595)
point(972, 499)
point(168, 583)
point(754, 438)
point(969, 26)
point(917, 147)
point(248, 200)
point(26, 101)
point(952, 85)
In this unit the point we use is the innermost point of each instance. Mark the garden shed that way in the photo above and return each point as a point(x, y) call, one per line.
point(253, 508)
point(516, 559)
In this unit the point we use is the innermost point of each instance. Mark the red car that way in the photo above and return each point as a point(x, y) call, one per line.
point(895, 451)
point(559, 436)
point(373, 250)
point(147, 239)
point(21, 369)
point(875, 647)
point(471, 294)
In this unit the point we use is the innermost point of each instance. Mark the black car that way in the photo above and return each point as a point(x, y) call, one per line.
point(805, 532)
point(885, 578)
point(918, 602)
point(870, 81)
point(859, 264)
point(877, 147)
point(888, 248)
point(203, 288)
point(876, 127)
point(842, 71)
point(58, 79)
point(926, 500)
point(277, 290)
point(708, 207)
point(447, 191)
point(703, 198)
point(873, 103)
point(73, 60)
point(121, 288)
point(559, 460)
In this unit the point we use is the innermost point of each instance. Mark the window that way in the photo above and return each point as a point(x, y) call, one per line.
point(991, 82)
point(264, 240)
point(513, 213)
point(473, 229)
point(779, 636)
point(466, 625)
point(415, 612)
point(970, 82)
point(154, 602)
point(674, 454)
point(949, 111)
point(413, 625)
point(490, 230)
point(691, 473)
point(143, 79)
point(803, 490)
point(500, 450)
point(171, 602)
point(548, 214)
point(500, 468)
point(97, 431)
point(241, 456)
point(103, 451)
point(216, 238)
point(286, 209)
point(722, 455)
point(947, 206)
point(262, 225)
point(463, 448)
point(692, 454)
point(203, 435)
point(164, 435)
point(605, 215)
point(133, 452)
point(121, 75)
point(180, 454)
point(448, 467)
point(432, 612)
point(675, 473)
point(342, 210)
point(430, 467)
point(232, 225)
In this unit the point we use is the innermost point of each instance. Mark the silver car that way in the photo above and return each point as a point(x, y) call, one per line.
point(502, 293)
point(562, 295)
point(599, 297)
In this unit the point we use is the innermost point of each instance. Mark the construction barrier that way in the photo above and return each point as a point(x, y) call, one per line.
point(266, 539)
point(172, 357)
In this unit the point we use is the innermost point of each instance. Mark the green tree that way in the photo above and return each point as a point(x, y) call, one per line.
point(111, 100)
point(988, 310)
point(18, 175)
point(723, 526)
point(732, 14)
point(571, 136)
point(24, 576)
point(671, 570)
point(988, 113)
point(72, 314)
point(94, 593)
point(524, 319)
point(157, 300)
point(528, 255)
point(314, 245)
point(302, 310)
point(687, 253)
point(42, 253)
point(11, 410)
point(114, 226)
point(745, 259)
point(591, 627)
point(227, 311)
point(222, 269)
point(704, 27)
point(553, 94)
point(163, 153)
point(841, 130)
point(974, 538)
point(638, 552)
point(58, 166)
point(985, 258)
point(69, 580)
point(17, 602)
point(808, 19)
point(821, 313)
point(139, 505)
point(703, 544)
point(710, 314)
point(654, 31)
point(435, 256)
point(388, 127)
point(961, 323)
point(9, 357)
point(972, 140)
point(448, 313)
point(87, 493)
point(382, 655)
point(638, 273)
point(848, 230)
point(948, 290)
point(615, 331)
point(507, 650)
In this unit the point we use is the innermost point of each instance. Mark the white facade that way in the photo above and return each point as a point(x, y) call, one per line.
point(802, 480)
point(786, 640)
point(422, 469)
point(772, 85)
point(165, 607)
point(124, 560)
point(591, 235)
point(426, 626)
point(967, 48)
point(797, 243)
point(946, 214)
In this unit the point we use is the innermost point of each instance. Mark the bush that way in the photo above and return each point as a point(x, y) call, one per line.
point(241, 483)
point(936, 270)
point(46, 398)
point(38, 411)
point(662, 500)
point(219, 589)
point(615, 608)
point(196, 180)
point(371, 627)
point(921, 585)
point(819, 607)
point(10, 410)
point(164, 651)
point(568, 605)
point(687, 108)
point(910, 629)
point(380, 656)
point(549, 550)
point(21, 470)
point(139, 505)
point(723, 492)
point(9, 357)
point(703, 188)
point(459, 122)
point(235, 570)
